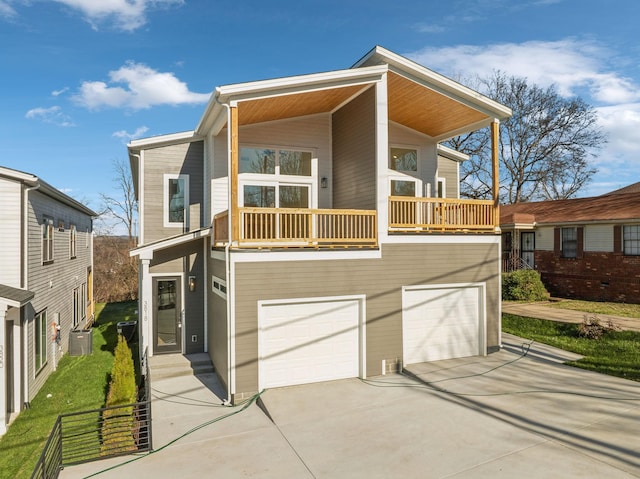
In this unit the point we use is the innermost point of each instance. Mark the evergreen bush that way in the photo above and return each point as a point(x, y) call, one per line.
point(523, 285)
point(118, 425)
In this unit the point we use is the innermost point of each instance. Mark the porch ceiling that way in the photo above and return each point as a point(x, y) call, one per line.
point(411, 104)
point(426, 110)
point(290, 106)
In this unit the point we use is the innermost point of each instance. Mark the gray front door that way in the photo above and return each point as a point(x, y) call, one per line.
point(8, 365)
point(167, 315)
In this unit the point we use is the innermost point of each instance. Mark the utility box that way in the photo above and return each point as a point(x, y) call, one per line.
point(129, 330)
point(80, 342)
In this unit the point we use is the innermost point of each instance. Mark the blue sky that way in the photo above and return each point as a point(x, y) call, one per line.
point(80, 78)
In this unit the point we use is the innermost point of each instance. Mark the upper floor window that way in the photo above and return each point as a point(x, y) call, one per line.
point(176, 200)
point(73, 241)
point(266, 161)
point(403, 159)
point(40, 340)
point(47, 240)
point(569, 238)
point(631, 240)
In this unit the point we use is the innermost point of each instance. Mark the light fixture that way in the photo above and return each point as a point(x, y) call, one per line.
point(324, 182)
point(192, 283)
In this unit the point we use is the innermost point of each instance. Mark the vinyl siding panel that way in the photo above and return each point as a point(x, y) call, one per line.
point(544, 238)
point(186, 159)
point(217, 321)
point(10, 233)
point(598, 238)
point(380, 280)
point(354, 153)
point(448, 169)
point(53, 283)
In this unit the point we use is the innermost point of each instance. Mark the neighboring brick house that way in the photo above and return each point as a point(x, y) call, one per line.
point(46, 286)
point(586, 248)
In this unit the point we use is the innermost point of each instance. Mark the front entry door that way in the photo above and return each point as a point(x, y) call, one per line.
point(8, 365)
point(167, 315)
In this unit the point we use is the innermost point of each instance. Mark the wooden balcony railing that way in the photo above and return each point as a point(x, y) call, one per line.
point(410, 214)
point(292, 227)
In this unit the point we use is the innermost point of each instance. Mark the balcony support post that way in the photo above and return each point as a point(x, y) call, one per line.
point(495, 167)
point(233, 173)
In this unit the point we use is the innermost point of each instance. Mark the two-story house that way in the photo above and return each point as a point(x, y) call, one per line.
point(310, 228)
point(46, 262)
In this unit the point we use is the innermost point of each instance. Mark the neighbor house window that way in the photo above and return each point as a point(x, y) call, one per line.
point(40, 341)
point(72, 241)
point(403, 159)
point(47, 240)
point(569, 243)
point(79, 300)
point(631, 240)
point(176, 200)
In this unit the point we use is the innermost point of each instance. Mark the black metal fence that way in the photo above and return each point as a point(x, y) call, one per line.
point(98, 434)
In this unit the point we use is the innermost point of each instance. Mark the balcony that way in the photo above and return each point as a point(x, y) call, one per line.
point(441, 215)
point(300, 228)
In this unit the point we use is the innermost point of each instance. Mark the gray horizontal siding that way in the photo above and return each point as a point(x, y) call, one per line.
point(380, 280)
point(10, 233)
point(448, 169)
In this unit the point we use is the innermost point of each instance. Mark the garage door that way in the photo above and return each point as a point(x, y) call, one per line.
point(442, 322)
point(308, 341)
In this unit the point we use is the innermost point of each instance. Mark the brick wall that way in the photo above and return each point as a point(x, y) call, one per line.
point(596, 276)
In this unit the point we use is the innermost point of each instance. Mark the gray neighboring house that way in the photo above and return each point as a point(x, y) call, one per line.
point(46, 283)
point(310, 228)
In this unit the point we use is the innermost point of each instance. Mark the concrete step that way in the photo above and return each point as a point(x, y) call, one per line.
point(164, 366)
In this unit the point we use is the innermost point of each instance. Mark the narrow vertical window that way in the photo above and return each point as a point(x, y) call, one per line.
point(40, 341)
point(72, 241)
point(631, 240)
point(176, 200)
point(569, 242)
point(47, 240)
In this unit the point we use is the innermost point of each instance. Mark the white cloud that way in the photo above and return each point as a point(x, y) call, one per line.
point(59, 92)
point(6, 10)
point(570, 64)
point(125, 135)
point(142, 87)
point(126, 15)
point(429, 28)
point(53, 115)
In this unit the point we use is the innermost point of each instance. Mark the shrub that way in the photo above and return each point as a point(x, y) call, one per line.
point(523, 285)
point(119, 423)
point(592, 328)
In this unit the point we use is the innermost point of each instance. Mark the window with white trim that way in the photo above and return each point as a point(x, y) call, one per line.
point(441, 187)
point(631, 240)
point(73, 237)
point(47, 240)
point(40, 340)
point(176, 200)
point(219, 286)
point(79, 300)
point(277, 177)
point(403, 159)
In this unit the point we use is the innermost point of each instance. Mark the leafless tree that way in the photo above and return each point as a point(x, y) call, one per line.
point(544, 147)
point(124, 208)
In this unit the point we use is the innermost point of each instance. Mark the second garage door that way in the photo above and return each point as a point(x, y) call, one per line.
point(305, 341)
point(442, 322)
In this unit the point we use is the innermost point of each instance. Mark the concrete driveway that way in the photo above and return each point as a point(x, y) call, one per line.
point(501, 416)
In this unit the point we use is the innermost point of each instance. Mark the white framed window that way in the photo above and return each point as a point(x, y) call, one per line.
point(219, 286)
point(40, 341)
point(631, 240)
point(277, 177)
point(403, 159)
point(176, 200)
point(73, 239)
point(441, 187)
point(404, 186)
point(79, 304)
point(47, 240)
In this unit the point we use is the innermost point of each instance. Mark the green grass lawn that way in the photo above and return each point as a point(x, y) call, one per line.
point(617, 353)
point(79, 384)
point(597, 307)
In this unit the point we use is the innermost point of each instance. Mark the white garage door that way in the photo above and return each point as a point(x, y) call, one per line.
point(442, 322)
point(308, 341)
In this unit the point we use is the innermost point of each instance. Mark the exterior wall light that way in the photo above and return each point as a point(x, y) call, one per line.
point(324, 182)
point(192, 283)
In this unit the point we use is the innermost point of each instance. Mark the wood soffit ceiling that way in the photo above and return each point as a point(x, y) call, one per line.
point(410, 104)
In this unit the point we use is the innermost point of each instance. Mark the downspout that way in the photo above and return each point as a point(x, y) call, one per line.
point(227, 254)
point(25, 285)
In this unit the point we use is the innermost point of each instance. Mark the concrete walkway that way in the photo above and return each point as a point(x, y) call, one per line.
point(543, 311)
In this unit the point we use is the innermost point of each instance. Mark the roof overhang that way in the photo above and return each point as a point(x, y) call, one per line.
point(147, 251)
point(15, 297)
point(452, 154)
